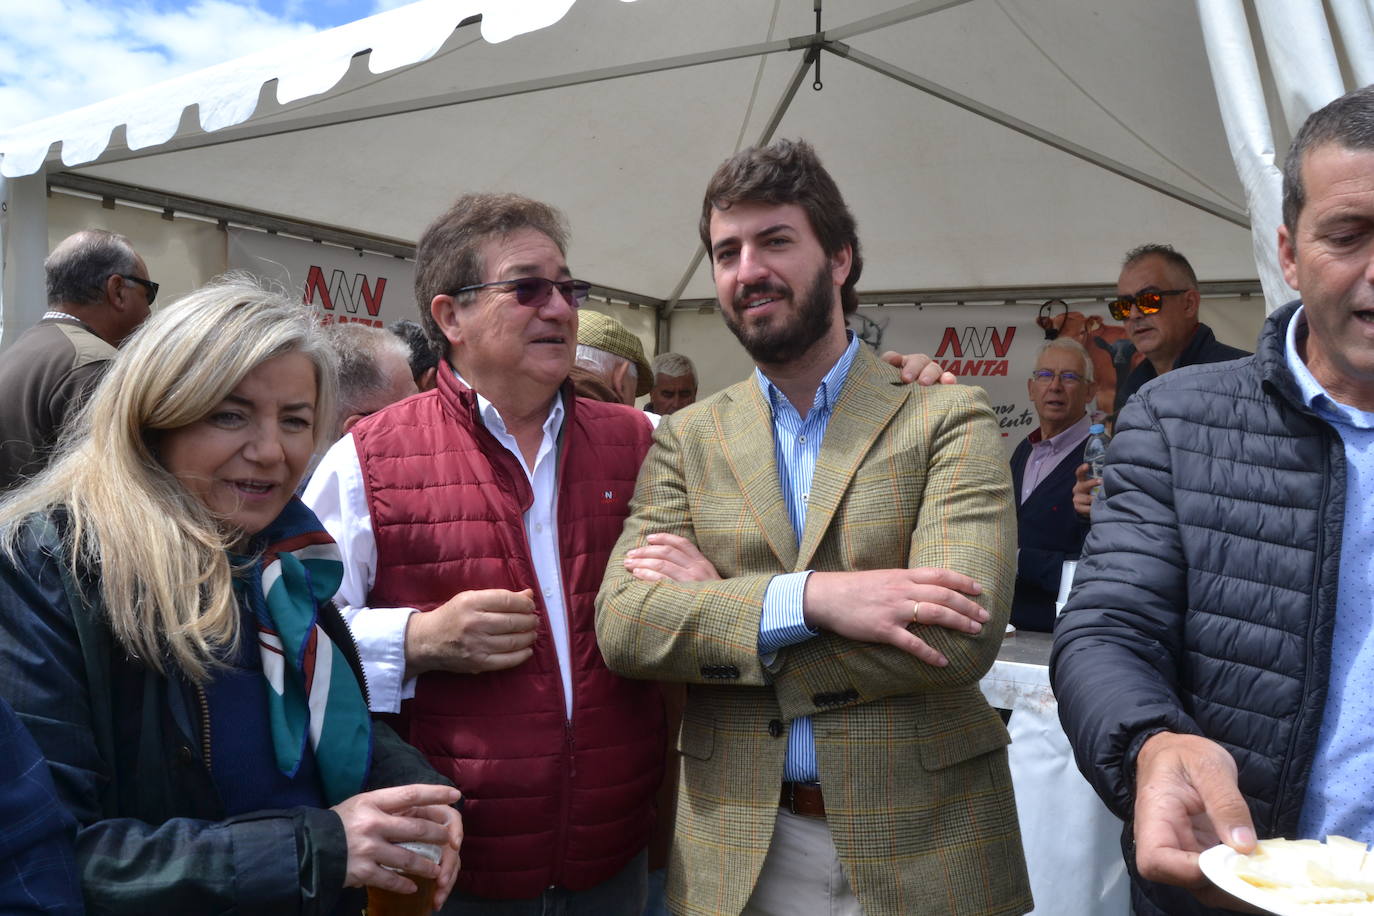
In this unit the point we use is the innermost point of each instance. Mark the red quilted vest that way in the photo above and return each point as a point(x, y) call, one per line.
point(548, 801)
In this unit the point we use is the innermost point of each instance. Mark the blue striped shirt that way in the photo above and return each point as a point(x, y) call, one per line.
point(796, 443)
point(1338, 799)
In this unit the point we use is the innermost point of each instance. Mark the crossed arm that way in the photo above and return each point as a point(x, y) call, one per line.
point(882, 631)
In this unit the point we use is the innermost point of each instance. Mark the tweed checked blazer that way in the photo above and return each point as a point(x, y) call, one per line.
point(911, 757)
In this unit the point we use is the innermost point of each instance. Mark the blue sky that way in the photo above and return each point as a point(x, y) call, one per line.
point(62, 54)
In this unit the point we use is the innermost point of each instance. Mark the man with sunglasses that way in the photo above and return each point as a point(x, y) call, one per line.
point(1158, 299)
point(98, 294)
point(1215, 664)
point(475, 521)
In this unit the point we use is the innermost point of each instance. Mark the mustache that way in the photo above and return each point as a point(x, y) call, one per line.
point(755, 289)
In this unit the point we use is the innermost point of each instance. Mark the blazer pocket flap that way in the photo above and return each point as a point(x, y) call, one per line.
point(958, 726)
point(698, 735)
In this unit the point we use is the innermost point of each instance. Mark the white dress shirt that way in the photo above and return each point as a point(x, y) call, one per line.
point(337, 496)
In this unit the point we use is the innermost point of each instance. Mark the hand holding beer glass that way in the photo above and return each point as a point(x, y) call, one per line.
point(387, 831)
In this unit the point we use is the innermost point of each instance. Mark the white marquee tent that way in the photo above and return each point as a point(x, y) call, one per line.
point(993, 150)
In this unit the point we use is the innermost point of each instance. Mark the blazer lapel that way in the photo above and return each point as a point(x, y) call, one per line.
point(867, 404)
point(746, 429)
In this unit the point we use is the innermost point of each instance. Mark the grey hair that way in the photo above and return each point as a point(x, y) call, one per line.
point(81, 263)
point(1168, 253)
point(1072, 346)
point(673, 364)
point(359, 348)
point(603, 363)
point(165, 578)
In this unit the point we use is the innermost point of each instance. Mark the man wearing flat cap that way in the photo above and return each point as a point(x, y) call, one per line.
point(609, 350)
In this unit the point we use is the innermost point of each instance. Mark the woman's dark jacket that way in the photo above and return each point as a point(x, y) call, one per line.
point(126, 746)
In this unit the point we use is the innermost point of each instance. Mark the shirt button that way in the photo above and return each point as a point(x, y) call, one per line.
point(548, 592)
point(539, 529)
point(805, 497)
point(801, 438)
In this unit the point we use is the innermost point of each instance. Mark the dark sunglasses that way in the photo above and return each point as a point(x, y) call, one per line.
point(148, 285)
point(1148, 302)
point(535, 291)
point(1045, 376)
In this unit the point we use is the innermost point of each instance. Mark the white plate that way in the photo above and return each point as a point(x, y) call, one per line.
point(1219, 865)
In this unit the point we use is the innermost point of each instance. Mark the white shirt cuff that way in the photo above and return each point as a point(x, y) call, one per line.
point(381, 637)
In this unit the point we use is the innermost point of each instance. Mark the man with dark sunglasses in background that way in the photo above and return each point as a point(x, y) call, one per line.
point(1157, 299)
point(98, 294)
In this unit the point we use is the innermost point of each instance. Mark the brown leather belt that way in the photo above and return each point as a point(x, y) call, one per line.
point(802, 798)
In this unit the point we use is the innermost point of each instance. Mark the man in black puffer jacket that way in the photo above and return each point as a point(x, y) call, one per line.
point(1194, 665)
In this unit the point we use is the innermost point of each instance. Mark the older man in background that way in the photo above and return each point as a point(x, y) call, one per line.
point(374, 371)
point(675, 384)
point(98, 294)
point(1042, 473)
point(608, 350)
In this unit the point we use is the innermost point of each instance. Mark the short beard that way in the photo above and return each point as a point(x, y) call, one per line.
point(784, 341)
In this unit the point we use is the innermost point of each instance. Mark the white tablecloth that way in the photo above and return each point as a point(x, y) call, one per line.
point(1072, 841)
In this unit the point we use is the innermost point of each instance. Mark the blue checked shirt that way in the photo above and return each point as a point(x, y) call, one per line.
point(1338, 800)
point(796, 443)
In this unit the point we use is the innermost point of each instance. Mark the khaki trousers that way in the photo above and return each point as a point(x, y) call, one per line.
point(802, 875)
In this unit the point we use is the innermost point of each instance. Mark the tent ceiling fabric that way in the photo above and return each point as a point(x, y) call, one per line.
point(229, 93)
point(944, 198)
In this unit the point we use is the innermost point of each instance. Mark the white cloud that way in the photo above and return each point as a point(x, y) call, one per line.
point(63, 54)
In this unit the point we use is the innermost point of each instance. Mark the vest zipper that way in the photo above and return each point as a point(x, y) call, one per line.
point(565, 806)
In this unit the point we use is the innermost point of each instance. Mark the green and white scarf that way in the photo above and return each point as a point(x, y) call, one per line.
point(312, 692)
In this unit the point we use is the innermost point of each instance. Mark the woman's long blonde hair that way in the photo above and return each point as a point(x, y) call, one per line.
point(164, 574)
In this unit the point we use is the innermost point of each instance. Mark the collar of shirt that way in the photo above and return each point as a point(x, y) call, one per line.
point(1064, 441)
point(68, 317)
point(827, 392)
point(1314, 395)
point(491, 417)
point(541, 525)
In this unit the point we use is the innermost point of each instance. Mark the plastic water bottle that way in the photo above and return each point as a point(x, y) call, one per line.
point(1095, 453)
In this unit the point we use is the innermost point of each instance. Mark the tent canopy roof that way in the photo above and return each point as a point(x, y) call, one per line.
point(980, 143)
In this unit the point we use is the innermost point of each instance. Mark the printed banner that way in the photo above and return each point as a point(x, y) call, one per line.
point(995, 347)
point(340, 283)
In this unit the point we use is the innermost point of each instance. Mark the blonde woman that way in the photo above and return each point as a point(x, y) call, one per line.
point(167, 635)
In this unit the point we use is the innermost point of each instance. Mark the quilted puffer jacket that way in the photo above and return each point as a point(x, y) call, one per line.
point(1206, 597)
point(549, 800)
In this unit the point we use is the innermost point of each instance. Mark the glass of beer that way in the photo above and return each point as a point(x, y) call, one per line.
point(382, 902)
